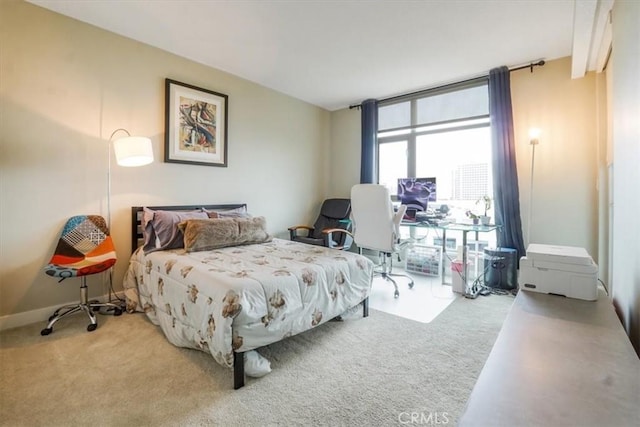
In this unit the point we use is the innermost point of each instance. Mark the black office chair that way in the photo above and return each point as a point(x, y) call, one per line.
point(331, 229)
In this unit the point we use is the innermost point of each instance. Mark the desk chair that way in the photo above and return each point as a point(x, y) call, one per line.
point(331, 229)
point(377, 227)
point(84, 248)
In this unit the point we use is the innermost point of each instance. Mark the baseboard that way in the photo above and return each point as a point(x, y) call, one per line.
point(40, 315)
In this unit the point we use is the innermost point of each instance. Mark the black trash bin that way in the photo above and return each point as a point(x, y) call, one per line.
point(501, 268)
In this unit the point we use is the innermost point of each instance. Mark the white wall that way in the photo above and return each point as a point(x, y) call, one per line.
point(625, 102)
point(565, 208)
point(65, 86)
point(345, 151)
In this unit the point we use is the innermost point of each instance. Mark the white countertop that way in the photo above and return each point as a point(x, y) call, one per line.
point(558, 362)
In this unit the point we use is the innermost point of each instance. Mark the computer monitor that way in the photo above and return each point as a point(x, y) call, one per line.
point(417, 192)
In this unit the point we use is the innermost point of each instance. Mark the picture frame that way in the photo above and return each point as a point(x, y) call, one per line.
point(195, 125)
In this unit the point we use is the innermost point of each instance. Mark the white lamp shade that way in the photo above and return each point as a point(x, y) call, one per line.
point(534, 133)
point(133, 151)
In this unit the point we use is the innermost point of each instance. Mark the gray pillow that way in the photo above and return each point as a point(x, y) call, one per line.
point(160, 228)
point(228, 213)
point(214, 233)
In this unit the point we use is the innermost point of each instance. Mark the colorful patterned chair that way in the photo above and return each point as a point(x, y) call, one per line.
point(85, 247)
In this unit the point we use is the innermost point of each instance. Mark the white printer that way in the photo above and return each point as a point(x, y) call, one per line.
point(559, 270)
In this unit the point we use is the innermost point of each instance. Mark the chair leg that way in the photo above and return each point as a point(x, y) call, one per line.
point(85, 305)
point(385, 276)
point(386, 273)
point(109, 306)
point(406, 276)
point(70, 309)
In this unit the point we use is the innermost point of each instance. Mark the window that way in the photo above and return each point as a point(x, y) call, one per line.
point(443, 134)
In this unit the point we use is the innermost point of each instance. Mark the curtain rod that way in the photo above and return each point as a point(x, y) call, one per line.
point(522, 67)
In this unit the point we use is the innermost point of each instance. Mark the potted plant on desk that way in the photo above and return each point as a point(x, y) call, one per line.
point(473, 217)
point(486, 201)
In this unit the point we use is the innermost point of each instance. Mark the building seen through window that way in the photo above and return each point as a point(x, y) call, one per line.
point(445, 135)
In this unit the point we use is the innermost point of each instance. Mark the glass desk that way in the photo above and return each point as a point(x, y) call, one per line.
point(465, 229)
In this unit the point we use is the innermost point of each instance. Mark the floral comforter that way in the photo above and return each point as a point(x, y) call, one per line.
point(244, 297)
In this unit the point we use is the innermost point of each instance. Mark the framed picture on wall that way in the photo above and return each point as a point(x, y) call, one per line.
point(195, 125)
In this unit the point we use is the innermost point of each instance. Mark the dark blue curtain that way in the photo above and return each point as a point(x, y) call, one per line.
point(369, 118)
point(505, 175)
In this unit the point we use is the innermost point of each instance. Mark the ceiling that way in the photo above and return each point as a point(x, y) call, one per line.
point(334, 53)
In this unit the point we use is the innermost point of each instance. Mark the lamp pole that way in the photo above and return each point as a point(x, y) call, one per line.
point(534, 135)
point(109, 174)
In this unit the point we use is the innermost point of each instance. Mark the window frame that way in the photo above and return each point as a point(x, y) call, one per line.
point(414, 130)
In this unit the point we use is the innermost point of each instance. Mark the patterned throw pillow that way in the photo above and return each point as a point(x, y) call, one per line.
point(214, 233)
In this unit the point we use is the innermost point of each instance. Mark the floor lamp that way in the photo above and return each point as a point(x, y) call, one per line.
point(534, 138)
point(130, 151)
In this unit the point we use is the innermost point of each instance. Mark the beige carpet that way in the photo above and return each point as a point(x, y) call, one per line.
point(366, 372)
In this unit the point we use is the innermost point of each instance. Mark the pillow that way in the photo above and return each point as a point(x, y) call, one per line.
point(228, 213)
point(160, 228)
point(214, 233)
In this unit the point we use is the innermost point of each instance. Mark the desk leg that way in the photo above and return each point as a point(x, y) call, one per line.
point(476, 260)
point(464, 262)
point(444, 252)
point(412, 234)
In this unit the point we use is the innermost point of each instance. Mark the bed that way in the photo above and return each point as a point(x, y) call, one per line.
point(227, 293)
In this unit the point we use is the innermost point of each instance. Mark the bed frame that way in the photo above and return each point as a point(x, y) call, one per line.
point(137, 239)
